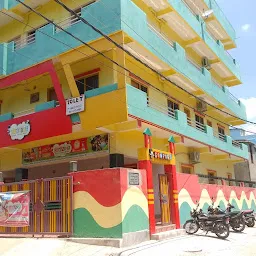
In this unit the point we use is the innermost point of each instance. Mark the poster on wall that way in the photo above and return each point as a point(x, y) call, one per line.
point(14, 209)
point(98, 143)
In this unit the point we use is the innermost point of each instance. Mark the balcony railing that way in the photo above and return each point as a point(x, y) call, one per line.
point(24, 113)
point(206, 179)
point(68, 22)
point(219, 136)
point(236, 100)
point(236, 144)
point(24, 41)
point(161, 35)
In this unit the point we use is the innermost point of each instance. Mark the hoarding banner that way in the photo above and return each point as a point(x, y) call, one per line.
point(93, 144)
point(14, 209)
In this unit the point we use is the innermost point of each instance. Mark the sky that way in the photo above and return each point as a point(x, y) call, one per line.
point(242, 15)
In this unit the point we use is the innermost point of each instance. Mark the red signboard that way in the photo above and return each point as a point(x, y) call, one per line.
point(14, 209)
point(64, 149)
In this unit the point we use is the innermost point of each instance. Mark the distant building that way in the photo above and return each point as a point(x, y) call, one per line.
point(245, 170)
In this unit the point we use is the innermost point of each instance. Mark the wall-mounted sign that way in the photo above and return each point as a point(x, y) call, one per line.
point(75, 105)
point(19, 131)
point(157, 154)
point(134, 178)
point(97, 143)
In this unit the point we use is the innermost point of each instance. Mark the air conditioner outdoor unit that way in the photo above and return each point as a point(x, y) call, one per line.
point(201, 106)
point(206, 63)
point(194, 157)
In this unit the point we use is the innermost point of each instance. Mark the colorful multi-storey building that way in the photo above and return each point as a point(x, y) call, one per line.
point(40, 66)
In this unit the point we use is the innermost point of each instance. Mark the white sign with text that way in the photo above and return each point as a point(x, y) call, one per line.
point(75, 105)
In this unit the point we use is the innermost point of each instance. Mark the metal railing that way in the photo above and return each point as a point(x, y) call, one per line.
point(24, 41)
point(206, 179)
point(234, 98)
point(161, 35)
point(199, 126)
point(220, 136)
point(216, 83)
point(68, 22)
point(24, 112)
point(194, 64)
point(236, 144)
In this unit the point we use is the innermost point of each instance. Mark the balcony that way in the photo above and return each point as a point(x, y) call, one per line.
point(43, 47)
point(192, 30)
point(139, 107)
point(219, 14)
point(166, 56)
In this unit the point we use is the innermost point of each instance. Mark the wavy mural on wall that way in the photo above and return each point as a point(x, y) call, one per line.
point(109, 210)
point(191, 191)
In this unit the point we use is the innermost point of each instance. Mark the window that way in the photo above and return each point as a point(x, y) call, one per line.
point(209, 123)
point(16, 41)
point(51, 95)
point(187, 112)
point(188, 169)
point(199, 122)
point(211, 175)
point(230, 183)
point(139, 86)
point(172, 106)
point(87, 83)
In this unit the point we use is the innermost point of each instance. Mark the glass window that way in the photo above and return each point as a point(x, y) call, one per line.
point(139, 86)
point(209, 123)
point(87, 83)
point(211, 175)
point(173, 105)
point(187, 169)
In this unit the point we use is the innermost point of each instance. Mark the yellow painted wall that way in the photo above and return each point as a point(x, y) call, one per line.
point(52, 10)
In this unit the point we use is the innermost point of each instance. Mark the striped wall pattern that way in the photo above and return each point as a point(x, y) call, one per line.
point(105, 206)
point(190, 191)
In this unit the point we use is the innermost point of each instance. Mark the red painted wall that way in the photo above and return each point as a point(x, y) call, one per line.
point(106, 186)
point(45, 124)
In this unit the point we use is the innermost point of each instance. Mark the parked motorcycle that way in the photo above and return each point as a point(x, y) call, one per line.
point(218, 224)
point(249, 217)
point(237, 219)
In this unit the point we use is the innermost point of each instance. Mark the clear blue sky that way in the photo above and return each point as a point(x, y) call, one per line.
point(242, 15)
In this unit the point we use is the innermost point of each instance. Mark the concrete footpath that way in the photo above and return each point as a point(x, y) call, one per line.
point(238, 244)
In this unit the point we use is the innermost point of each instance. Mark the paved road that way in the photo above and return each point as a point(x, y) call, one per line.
point(237, 244)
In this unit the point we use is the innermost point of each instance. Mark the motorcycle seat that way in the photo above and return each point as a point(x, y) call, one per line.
point(212, 217)
point(248, 211)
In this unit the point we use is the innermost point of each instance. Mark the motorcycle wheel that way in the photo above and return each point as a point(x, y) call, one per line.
point(222, 230)
point(191, 227)
point(239, 225)
point(250, 223)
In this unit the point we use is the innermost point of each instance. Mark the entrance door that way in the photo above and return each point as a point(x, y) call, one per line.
point(164, 198)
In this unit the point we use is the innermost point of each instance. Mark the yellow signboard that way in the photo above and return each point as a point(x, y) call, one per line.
point(156, 156)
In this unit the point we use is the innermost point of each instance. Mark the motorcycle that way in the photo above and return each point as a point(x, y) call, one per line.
point(218, 224)
point(249, 217)
point(237, 219)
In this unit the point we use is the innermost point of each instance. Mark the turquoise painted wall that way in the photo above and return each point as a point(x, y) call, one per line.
point(138, 106)
point(45, 47)
point(212, 4)
point(134, 23)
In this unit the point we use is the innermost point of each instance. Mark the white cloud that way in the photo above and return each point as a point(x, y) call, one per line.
point(246, 27)
point(250, 105)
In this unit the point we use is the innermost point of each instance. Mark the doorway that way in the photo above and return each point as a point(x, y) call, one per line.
point(161, 196)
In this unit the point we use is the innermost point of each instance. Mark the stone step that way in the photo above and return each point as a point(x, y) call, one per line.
point(164, 228)
point(168, 234)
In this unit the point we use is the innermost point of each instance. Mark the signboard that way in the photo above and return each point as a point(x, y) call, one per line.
point(75, 105)
point(134, 178)
point(66, 149)
point(14, 209)
point(157, 154)
point(19, 131)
